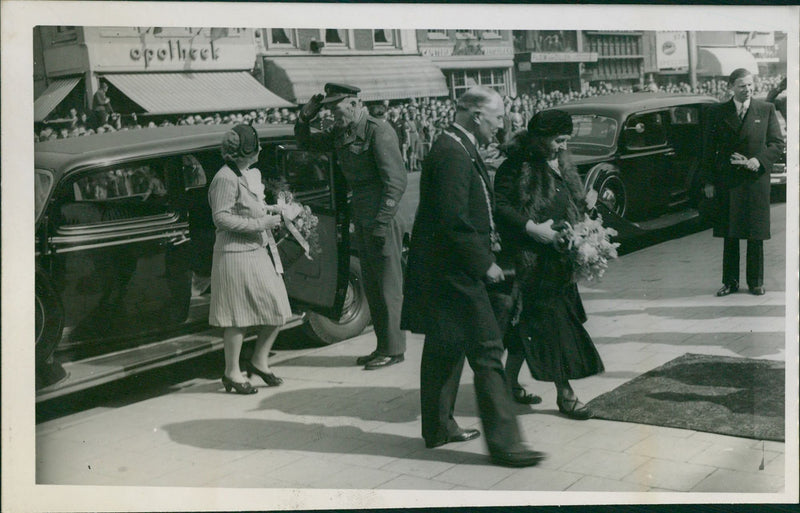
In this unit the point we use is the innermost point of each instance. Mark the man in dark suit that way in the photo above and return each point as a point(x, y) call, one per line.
point(369, 157)
point(451, 259)
point(743, 140)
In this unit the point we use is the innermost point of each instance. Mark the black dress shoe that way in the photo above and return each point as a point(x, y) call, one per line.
point(728, 288)
point(363, 360)
point(519, 458)
point(757, 291)
point(383, 361)
point(463, 435)
point(569, 407)
point(522, 396)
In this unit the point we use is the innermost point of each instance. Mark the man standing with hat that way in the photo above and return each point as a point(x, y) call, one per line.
point(369, 156)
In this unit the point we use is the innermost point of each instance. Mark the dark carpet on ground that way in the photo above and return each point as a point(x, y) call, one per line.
point(740, 397)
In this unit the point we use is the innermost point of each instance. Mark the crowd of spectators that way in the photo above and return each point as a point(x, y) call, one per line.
point(417, 121)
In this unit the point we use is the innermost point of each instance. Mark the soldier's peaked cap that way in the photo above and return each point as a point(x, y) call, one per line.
point(336, 92)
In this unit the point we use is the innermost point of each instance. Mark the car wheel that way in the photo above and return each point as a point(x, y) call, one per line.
point(355, 312)
point(611, 192)
point(49, 319)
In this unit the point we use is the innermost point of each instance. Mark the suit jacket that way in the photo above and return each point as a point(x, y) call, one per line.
point(450, 251)
point(238, 212)
point(742, 195)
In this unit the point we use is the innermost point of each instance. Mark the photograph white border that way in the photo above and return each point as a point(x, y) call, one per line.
point(18, 423)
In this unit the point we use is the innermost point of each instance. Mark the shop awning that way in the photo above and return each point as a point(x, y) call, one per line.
point(52, 96)
point(181, 93)
point(379, 77)
point(721, 61)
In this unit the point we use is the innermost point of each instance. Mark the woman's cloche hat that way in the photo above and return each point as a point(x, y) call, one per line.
point(550, 123)
point(239, 142)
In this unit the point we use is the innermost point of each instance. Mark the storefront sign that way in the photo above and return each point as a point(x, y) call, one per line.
point(447, 51)
point(672, 50)
point(537, 57)
point(174, 51)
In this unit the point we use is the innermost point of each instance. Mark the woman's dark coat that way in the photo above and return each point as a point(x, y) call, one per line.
point(742, 195)
point(450, 251)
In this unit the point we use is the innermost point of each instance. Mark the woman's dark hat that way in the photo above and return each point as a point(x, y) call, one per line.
point(550, 123)
point(240, 141)
point(337, 92)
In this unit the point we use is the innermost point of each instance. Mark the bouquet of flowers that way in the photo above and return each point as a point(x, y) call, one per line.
point(588, 247)
point(299, 221)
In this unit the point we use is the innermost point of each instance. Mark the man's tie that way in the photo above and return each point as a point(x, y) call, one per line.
point(742, 112)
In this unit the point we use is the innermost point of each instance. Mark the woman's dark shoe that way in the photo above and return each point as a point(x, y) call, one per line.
point(269, 378)
point(569, 407)
point(522, 396)
point(244, 388)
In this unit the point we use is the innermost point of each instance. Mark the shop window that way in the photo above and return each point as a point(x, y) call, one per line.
point(490, 34)
point(462, 80)
point(437, 34)
point(467, 34)
point(282, 37)
point(383, 37)
point(335, 37)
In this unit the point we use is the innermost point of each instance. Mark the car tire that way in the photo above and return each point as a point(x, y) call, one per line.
point(49, 319)
point(355, 313)
point(611, 191)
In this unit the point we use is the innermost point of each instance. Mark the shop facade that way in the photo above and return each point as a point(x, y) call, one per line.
point(384, 63)
point(549, 60)
point(471, 57)
point(151, 71)
point(620, 57)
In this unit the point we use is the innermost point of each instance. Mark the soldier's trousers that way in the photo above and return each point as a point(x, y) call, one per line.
point(382, 274)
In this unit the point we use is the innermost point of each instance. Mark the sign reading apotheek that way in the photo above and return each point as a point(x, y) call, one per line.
point(174, 54)
point(672, 50)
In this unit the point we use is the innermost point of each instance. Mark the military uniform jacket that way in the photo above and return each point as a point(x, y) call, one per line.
point(450, 251)
point(370, 160)
point(742, 195)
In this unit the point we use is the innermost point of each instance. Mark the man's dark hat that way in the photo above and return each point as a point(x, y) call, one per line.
point(550, 123)
point(336, 92)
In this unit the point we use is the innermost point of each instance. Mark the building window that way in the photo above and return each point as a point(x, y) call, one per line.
point(335, 37)
point(281, 37)
point(461, 80)
point(437, 34)
point(490, 34)
point(467, 34)
point(383, 37)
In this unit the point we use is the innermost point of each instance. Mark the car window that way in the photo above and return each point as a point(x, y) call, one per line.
point(119, 193)
point(645, 131)
point(193, 173)
point(42, 183)
point(592, 129)
point(685, 115)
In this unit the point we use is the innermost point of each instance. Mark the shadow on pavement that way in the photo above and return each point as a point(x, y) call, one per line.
point(236, 434)
point(322, 361)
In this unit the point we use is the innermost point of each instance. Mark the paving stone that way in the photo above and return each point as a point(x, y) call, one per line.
point(406, 482)
point(669, 475)
point(537, 479)
point(724, 480)
point(600, 484)
point(740, 458)
point(606, 464)
point(616, 438)
point(479, 477)
point(418, 464)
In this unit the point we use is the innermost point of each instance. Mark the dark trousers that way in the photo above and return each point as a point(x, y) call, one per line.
point(382, 275)
point(440, 374)
point(755, 262)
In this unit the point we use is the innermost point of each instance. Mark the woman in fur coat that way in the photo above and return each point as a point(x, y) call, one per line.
point(537, 190)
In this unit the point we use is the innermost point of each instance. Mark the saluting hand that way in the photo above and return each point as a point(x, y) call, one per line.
point(312, 108)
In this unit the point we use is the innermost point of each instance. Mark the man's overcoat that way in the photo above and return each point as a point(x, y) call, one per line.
point(445, 293)
point(742, 195)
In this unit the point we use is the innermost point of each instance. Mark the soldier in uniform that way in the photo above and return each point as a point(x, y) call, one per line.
point(368, 154)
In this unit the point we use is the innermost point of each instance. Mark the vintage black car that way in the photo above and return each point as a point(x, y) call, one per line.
point(124, 241)
point(641, 153)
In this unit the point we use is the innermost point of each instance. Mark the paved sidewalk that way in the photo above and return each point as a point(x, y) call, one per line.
point(333, 425)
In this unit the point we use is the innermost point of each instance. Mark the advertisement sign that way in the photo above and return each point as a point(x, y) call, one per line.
point(672, 50)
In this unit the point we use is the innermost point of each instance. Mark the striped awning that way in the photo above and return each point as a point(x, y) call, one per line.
point(52, 96)
point(181, 93)
point(721, 61)
point(380, 77)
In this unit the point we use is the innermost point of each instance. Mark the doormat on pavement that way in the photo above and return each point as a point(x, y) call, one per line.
point(740, 397)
